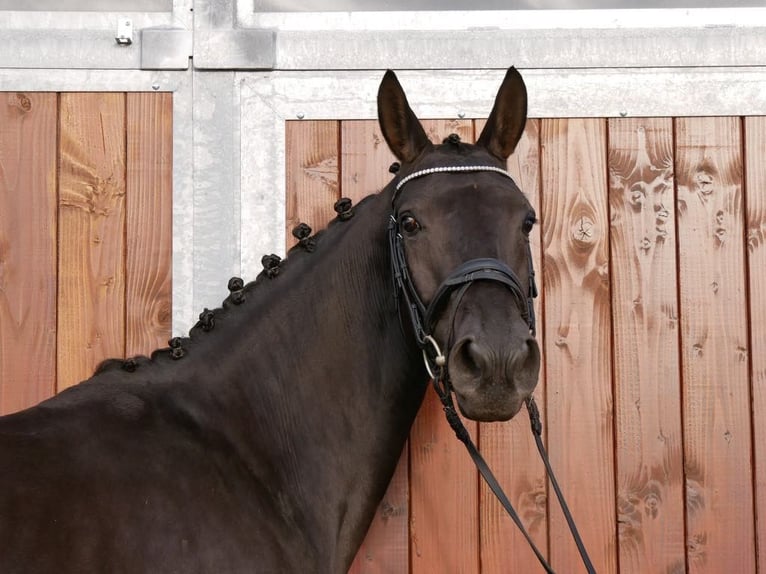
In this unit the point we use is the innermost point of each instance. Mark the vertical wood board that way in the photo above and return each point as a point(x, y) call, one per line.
point(509, 448)
point(91, 325)
point(27, 248)
point(648, 441)
point(312, 188)
point(443, 480)
point(714, 346)
point(755, 209)
point(578, 338)
point(149, 213)
point(365, 159)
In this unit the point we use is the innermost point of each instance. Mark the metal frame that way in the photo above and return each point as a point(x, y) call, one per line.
point(270, 99)
point(238, 75)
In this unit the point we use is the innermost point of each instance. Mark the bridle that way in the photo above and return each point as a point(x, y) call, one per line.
point(423, 318)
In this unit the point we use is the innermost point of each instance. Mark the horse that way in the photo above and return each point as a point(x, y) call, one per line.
point(264, 441)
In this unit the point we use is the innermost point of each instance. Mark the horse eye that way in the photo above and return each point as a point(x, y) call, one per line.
point(409, 224)
point(529, 223)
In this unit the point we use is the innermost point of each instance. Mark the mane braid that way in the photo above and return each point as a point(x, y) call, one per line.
point(254, 292)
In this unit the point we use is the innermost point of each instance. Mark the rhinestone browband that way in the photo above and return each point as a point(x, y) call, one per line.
point(454, 168)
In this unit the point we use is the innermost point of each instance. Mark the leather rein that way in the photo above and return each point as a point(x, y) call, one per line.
point(422, 318)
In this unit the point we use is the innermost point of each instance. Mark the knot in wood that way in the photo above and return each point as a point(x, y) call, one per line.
point(23, 102)
point(394, 167)
point(704, 181)
point(584, 231)
point(343, 209)
point(271, 265)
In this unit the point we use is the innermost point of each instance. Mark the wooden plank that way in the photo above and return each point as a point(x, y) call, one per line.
point(755, 208)
point(719, 504)
point(509, 448)
point(149, 235)
point(443, 480)
point(365, 159)
point(91, 233)
point(649, 442)
point(27, 249)
point(578, 338)
point(312, 150)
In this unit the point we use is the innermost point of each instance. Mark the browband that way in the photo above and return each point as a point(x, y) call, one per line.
point(452, 168)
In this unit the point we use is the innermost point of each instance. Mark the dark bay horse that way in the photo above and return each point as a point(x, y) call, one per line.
point(264, 441)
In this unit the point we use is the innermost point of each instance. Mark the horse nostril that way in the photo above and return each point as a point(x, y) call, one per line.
point(524, 358)
point(468, 359)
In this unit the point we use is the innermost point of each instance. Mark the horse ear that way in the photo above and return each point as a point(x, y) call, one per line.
point(403, 132)
point(508, 117)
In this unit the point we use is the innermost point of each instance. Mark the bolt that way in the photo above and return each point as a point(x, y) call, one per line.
point(461, 114)
point(300, 115)
point(156, 86)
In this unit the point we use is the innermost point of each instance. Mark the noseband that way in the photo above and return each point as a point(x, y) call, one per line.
point(423, 317)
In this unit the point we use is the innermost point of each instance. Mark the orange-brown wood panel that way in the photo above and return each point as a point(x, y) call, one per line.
point(365, 159)
point(312, 164)
point(755, 207)
point(578, 338)
point(27, 248)
point(714, 346)
point(91, 313)
point(149, 230)
point(509, 448)
point(648, 440)
point(443, 480)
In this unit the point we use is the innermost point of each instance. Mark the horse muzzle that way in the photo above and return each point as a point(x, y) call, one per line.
point(492, 384)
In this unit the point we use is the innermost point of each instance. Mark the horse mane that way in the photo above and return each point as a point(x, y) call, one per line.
point(253, 293)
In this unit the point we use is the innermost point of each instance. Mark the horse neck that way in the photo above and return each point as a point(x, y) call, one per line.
point(321, 389)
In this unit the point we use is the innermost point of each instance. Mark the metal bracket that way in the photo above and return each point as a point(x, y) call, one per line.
point(166, 48)
point(124, 35)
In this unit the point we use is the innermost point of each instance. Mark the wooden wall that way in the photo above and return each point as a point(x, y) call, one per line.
point(653, 328)
point(651, 259)
point(85, 235)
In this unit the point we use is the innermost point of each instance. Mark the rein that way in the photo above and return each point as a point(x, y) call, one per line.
point(422, 319)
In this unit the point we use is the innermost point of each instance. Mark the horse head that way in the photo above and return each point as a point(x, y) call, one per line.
point(460, 251)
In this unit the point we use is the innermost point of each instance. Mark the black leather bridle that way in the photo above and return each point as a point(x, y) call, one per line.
point(423, 318)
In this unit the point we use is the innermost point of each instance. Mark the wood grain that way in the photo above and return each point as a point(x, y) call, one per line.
point(509, 448)
point(365, 159)
point(714, 346)
point(91, 233)
point(755, 208)
point(312, 154)
point(443, 480)
point(578, 338)
point(149, 217)
point(27, 248)
point(648, 441)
